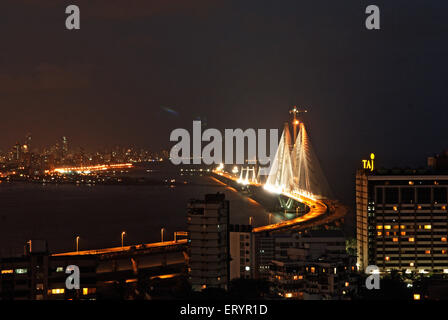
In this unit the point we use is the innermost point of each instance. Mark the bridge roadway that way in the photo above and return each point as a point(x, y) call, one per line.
point(157, 260)
point(124, 249)
point(321, 211)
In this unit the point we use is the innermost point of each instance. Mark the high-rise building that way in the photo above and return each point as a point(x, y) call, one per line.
point(402, 219)
point(17, 150)
point(64, 147)
point(28, 141)
point(241, 251)
point(208, 222)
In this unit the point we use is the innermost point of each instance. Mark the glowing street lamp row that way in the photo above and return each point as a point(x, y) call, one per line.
point(88, 169)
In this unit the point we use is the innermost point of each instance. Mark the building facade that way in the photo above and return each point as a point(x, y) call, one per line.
point(208, 222)
point(312, 265)
point(402, 220)
point(312, 279)
point(39, 275)
point(241, 251)
point(309, 245)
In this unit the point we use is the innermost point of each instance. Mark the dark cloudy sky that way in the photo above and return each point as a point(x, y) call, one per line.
point(236, 63)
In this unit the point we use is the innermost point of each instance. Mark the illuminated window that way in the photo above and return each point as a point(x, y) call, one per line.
point(57, 291)
point(7, 271)
point(416, 296)
point(86, 291)
point(402, 227)
point(387, 233)
point(419, 207)
point(379, 227)
point(387, 258)
point(387, 227)
point(60, 269)
point(395, 208)
point(403, 233)
point(443, 251)
point(428, 226)
point(296, 277)
point(21, 271)
point(443, 239)
point(427, 251)
point(395, 239)
point(313, 269)
point(288, 295)
point(411, 183)
point(411, 264)
point(204, 286)
point(443, 207)
point(411, 239)
point(347, 284)
point(379, 233)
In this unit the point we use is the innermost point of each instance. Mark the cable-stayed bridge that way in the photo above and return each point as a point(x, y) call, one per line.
point(296, 176)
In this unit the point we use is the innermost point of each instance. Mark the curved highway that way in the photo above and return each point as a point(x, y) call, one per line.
point(321, 211)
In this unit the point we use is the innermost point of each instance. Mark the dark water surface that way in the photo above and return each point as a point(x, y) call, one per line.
point(98, 214)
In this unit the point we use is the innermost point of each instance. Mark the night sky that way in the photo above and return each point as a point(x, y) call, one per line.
point(235, 63)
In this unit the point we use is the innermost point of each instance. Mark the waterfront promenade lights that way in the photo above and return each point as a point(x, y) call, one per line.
point(122, 238)
point(162, 233)
point(77, 243)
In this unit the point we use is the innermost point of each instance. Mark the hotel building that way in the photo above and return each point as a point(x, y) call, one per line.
point(402, 219)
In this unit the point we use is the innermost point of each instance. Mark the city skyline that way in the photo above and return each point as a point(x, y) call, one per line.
point(223, 150)
point(133, 76)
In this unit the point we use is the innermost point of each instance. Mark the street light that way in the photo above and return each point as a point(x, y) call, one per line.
point(162, 231)
point(77, 243)
point(122, 238)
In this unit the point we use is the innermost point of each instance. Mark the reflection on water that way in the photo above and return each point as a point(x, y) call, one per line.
point(98, 214)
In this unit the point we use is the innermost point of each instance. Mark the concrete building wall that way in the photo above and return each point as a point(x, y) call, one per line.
point(209, 241)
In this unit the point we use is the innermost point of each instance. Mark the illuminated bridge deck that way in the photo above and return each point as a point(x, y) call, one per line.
point(127, 249)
